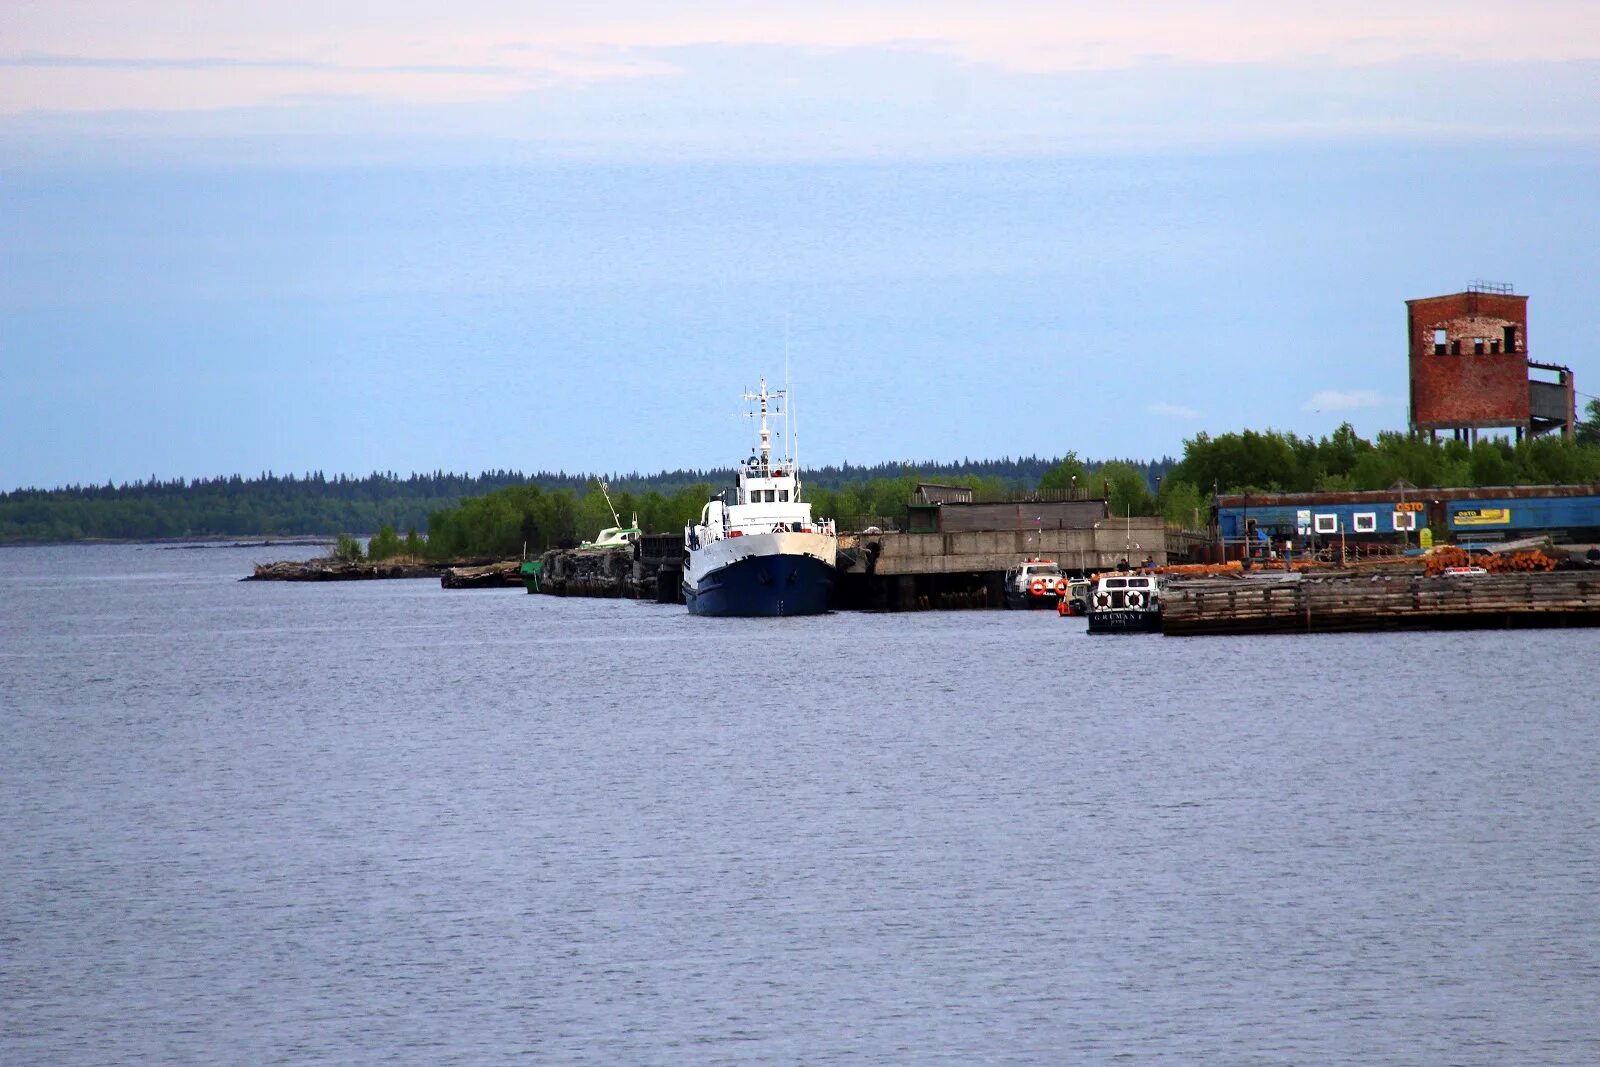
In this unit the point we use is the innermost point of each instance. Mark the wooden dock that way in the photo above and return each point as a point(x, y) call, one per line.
point(1301, 603)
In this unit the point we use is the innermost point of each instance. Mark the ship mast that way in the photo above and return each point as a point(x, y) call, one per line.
point(609, 506)
point(761, 399)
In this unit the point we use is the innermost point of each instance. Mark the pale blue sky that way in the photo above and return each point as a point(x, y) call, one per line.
point(237, 239)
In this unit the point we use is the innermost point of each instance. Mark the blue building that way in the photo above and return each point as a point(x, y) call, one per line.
point(1271, 522)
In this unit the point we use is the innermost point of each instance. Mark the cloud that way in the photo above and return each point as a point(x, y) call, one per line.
point(1172, 411)
point(1350, 400)
point(719, 81)
point(156, 47)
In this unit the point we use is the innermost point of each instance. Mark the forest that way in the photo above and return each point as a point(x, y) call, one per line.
point(319, 505)
point(505, 513)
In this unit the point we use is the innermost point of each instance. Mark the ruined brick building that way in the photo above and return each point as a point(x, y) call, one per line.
point(1470, 368)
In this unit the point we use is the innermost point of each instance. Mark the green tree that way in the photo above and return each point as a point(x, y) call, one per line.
point(1588, 431)
point(1126, 487)
point(385, 544)
point(1064, 475)
point(1246, 460)
point(1183, 504)
point(347, 549)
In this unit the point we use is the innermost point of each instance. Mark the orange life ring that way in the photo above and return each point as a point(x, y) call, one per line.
point(1061, 587)
point(1037, 587)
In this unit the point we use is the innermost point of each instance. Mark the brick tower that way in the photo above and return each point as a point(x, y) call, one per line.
point(1470, 369)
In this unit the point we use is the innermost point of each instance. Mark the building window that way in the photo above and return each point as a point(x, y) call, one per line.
point(1477, 346)
point(1366, 522)
point(1405, 520)
point(1326, 524)
point(1511, 338)
point(1455, 347)
point(1440, 341)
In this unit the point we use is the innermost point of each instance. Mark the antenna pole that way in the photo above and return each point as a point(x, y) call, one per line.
point(791, 428)
point(614, 520)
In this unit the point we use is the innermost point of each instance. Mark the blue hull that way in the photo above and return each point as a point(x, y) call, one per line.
point(763, 586)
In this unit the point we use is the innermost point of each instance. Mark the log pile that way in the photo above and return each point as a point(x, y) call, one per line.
point(1350, 601)
point(334, 570)
point(489, 576)
point(1441, 559)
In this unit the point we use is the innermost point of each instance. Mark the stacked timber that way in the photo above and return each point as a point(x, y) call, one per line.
point(489, 576)
point(1502, 562)
point(336, 570)
point(1346, 601)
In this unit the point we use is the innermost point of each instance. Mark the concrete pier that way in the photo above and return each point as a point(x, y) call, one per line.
point(892, 571)
point(921, 571)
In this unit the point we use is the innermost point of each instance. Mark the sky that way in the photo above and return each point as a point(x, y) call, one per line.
point(239, 237)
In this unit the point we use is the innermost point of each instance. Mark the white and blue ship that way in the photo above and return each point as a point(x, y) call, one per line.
point(763, 553)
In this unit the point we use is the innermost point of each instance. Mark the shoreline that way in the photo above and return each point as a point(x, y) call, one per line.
point(204, 541)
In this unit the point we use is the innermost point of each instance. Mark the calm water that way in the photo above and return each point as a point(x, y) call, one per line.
point(384, 822)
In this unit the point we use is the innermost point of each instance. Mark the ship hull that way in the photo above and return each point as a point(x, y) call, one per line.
point(762, 585)
point(1124, 621)
point(1015, 600)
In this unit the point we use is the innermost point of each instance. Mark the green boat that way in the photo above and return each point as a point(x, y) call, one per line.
point(531, 571)
point(618, 536)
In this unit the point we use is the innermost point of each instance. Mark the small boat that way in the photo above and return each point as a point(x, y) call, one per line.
point(1035, 583)
point(764, 553)
point(618, 536)
point(532, 573)
point(1124, 603)
point(611, 537)
point(1076, 600)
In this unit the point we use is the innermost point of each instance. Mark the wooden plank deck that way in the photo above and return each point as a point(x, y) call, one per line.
point(1354, 602)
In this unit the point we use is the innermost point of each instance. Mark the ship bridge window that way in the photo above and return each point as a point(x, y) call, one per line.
point(783, 495)
point(1116, 583)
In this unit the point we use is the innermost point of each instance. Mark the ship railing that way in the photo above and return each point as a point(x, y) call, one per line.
point(743, 529)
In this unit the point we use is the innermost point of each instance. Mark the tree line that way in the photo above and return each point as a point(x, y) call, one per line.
point(503, 513)
point(1343, 461)
point(320, 505)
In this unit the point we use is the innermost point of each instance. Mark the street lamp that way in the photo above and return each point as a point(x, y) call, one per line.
point(1245, 528)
